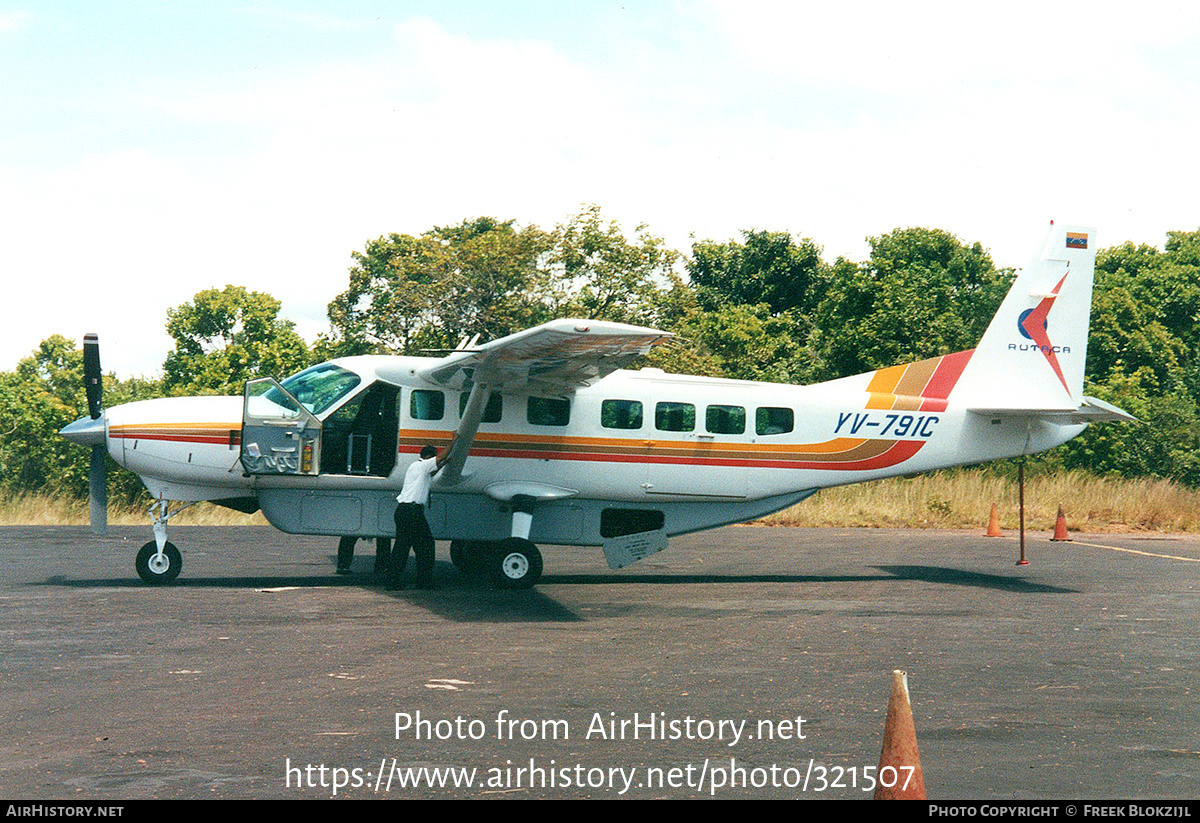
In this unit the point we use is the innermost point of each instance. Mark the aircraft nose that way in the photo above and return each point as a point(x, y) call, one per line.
point(85, 431)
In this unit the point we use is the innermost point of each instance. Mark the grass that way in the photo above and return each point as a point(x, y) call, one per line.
point(940, 500)
point(47, 510)
point(963, 500)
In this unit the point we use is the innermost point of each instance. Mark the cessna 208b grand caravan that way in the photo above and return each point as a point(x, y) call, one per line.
point(552, 441)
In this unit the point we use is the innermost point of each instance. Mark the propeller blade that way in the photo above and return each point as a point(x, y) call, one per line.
point(93, 381)
point(98, 489)
point(93, 385)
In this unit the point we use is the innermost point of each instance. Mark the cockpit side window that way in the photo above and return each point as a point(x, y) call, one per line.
point(320, 387)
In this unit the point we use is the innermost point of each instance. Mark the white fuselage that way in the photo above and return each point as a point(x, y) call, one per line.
point(704, 451)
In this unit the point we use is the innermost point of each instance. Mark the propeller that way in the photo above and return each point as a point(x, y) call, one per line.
point(93, 383)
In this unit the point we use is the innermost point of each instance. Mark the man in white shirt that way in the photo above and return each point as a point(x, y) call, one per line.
point(412, 529)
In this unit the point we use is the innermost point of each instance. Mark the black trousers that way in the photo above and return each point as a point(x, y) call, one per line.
point(383, 554)
point(383, 548)
point(346, 553)
point(412, 532)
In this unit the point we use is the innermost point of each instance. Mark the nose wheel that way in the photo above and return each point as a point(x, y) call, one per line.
point(156, 567)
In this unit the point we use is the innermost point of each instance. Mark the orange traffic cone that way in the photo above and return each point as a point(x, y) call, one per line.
point(994, 523)
point(1060, 528)
point(899, 772)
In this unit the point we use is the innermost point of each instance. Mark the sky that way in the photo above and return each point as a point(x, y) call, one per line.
point(152, 149)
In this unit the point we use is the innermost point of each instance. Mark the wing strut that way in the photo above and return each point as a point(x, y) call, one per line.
point(472, 415)
point(550, 360)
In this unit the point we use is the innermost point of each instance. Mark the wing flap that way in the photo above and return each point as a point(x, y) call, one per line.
point(552, 359)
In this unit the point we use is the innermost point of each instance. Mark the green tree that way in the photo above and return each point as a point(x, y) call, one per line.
point(602, 275)
point(491, 278)
point(768, 267)
point(744, 312)
point(1146, 310)
point(1144, 356)
point(739, 342)
point(225, 337)
point(922, 293)
point(492, 281)
point(405, 294)
point(43, 394)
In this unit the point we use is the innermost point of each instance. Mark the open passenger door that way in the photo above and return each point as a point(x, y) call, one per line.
point(279, 435)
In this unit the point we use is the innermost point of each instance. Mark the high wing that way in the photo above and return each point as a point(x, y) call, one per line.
point(550, 360)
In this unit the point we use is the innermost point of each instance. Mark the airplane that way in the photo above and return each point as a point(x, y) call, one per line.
point(553, 440)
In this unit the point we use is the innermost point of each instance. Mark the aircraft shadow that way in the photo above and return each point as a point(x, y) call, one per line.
point(457, 596)
point(461, 598)
point(651, 578)
point(979, 580)
point(246, 582)
point(927, 574)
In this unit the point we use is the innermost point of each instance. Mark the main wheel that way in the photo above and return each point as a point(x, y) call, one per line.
point(469, 556)
point(516, 564)
point(157, 570)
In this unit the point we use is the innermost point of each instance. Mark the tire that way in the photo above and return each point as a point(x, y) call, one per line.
point(469, 556)
point(158, 574)
point(516, 564)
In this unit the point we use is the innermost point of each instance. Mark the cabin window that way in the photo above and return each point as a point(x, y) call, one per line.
point(425, 404)
point(621, 414)
point(768, 420)
point(492, 412)
point(725, 420)
point(548, 411)
point(675, 417)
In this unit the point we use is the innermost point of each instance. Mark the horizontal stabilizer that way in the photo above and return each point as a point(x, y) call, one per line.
point(1090, 410)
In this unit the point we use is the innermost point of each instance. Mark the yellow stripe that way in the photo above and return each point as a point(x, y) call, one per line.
point(835, 446)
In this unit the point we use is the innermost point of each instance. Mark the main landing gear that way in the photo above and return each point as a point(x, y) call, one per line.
point(158, 561)
point(513, 563)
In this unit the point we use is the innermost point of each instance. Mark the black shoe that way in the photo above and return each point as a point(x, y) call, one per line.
point(343, 571)
point(425, 584)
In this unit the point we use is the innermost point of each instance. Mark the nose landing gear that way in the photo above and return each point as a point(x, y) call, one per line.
point(158, 561)
point(157, 568)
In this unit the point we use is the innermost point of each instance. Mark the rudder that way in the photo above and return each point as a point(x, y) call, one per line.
point(1033, 353)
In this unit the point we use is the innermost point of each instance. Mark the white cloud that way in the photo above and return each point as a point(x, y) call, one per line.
point(923, 46)
point(292, 17)
point(835, 124)
point(14, 20)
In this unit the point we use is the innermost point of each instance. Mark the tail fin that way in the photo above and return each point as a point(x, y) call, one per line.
point(1032, 355)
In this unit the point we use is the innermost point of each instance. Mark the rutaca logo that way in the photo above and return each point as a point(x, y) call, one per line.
point(1021, 324)
point(1033, 326)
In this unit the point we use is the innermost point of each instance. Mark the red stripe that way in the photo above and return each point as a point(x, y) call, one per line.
point(222, 439)
point(900, 451)
point(946, 375)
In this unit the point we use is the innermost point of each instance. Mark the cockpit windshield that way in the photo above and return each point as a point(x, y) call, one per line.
point(321, 386)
